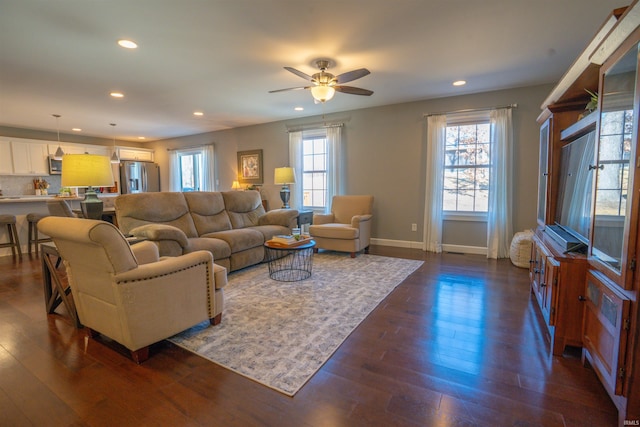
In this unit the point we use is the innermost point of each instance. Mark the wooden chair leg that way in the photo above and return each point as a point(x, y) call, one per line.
point(140, 355)
point(353, 254)
point(216, 320)
point(30, 238)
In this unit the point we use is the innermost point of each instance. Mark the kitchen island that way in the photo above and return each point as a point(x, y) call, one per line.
point(22, 205)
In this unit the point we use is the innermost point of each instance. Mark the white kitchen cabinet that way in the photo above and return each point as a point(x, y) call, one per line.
point(81, 149)
point(6, 164)
point(140, 154)
point(29, 158)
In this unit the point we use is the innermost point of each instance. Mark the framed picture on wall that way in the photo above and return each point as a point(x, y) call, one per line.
point(250, 167)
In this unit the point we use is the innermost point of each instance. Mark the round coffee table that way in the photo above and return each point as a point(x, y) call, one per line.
point(290, 263)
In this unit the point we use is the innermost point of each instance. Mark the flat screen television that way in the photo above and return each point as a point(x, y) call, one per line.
point(573, 203)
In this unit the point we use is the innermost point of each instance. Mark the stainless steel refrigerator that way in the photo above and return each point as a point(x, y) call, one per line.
point(139, 177)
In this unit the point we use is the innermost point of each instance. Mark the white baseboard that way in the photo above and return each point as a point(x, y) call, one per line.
point(476, 250)
point(397, 243)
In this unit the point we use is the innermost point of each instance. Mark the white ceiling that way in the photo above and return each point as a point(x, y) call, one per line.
point(223, 56)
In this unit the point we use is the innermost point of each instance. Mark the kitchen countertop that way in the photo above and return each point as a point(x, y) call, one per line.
point(30, 198)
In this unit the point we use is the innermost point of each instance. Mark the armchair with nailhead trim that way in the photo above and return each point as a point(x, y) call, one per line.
point(128, 293)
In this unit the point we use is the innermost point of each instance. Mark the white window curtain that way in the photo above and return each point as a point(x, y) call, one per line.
point(335, 180)
point(175, 183)
point(208, 168)
point(436, 133)
point(295, 161)
point(499, 227)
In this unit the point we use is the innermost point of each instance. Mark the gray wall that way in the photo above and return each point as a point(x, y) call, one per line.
point(385, 149)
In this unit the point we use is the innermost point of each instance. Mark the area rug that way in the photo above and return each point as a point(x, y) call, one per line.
point(280, 333)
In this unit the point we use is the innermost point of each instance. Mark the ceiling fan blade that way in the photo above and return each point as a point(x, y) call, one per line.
point(299, 73)
point(290, 88)
point(353, 90)
point(352, 75)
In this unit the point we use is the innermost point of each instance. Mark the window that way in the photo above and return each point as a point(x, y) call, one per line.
point(466, 168)
point(316, 156)
point(190, 171)
point(615, 151)
point(314, 171)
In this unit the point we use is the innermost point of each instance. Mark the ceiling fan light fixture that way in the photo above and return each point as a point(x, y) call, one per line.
point(322, 93)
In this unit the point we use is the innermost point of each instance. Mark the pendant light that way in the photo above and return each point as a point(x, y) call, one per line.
point(59, 153)
point(114, 156)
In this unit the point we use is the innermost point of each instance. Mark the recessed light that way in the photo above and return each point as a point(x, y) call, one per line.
point(198, 113)
point(76, 129)
point(299, 108)
point(127, 44)
point(459, 83)
point(142, 137)
point(117, 94)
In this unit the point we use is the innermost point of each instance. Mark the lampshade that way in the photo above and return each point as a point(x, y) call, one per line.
point(86, 170)
point(322, 93)
point(284, 176)
point(235, 185)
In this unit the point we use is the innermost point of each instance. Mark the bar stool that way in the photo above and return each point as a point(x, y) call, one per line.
point(14, 241)
point(34, 238)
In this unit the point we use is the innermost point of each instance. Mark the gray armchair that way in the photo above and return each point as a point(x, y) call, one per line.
point(130, 294)
point(347, 228)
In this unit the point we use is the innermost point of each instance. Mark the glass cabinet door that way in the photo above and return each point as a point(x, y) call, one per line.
point(616, 148)
point(543, 173)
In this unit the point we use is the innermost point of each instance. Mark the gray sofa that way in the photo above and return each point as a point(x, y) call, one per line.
point(232, 225)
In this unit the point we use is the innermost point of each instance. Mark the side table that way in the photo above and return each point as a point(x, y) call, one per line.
point(305, 218)
point(289, 263)
point(55, 291)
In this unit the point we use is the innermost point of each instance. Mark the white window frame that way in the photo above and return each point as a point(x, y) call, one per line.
point(461, 120)
point(308, 136)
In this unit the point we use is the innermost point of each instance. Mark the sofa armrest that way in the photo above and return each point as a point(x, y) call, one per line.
point(283, 217)
point(157, 232)
point(145, 252)
point(319, 219)
point(162, 298)
point(165, 267)
point(358, 220)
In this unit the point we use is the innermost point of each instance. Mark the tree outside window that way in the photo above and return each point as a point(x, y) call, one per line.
point(466, 172)
point(191, 171)
point(314, 172)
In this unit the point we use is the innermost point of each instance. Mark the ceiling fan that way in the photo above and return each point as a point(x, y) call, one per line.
point(326, 84)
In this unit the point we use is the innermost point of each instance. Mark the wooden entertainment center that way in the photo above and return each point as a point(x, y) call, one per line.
point(583, 268)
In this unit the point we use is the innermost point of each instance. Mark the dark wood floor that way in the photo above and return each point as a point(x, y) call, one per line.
point(458, 343)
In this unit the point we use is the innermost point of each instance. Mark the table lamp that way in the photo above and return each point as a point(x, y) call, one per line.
point(87, 170)
point(235, 186)
point(285, 176)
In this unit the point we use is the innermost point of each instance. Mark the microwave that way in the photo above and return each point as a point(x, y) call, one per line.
point(55, 166)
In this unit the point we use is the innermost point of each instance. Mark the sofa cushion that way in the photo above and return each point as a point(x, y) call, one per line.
point(134, 210)
point(346, 207)
point(239, 240)
point(219, 248)
point(208, 211)
point(335, 231)
point(243, 207)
